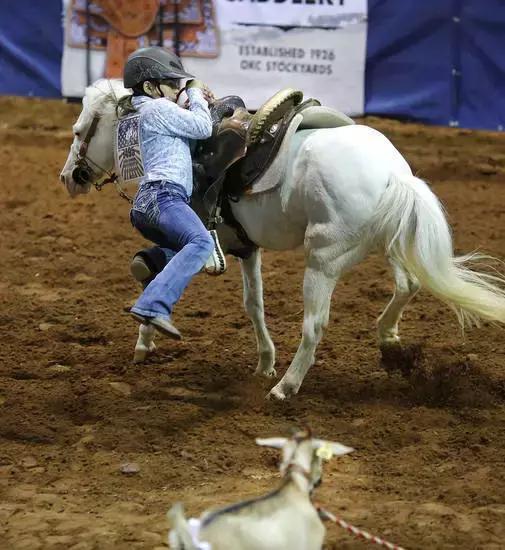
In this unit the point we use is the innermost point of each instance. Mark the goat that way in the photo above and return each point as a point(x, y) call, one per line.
point(284, 519)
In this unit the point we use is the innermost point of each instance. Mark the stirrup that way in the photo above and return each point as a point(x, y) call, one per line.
point(216, 264)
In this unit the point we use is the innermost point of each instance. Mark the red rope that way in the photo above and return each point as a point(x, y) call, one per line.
point(324, 514)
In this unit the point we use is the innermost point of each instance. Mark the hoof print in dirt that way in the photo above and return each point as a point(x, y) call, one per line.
point(402, 359)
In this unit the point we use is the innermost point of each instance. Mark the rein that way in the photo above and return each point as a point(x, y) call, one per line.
point(89, 134)
point(113, 179)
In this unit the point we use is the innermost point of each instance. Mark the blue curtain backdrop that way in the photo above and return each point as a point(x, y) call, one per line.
point(482, 62)
point(437, 61)
point(409, 59)
point(31, 46)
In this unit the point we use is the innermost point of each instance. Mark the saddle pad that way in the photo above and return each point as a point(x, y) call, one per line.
point(127, 151)
point(319, 116)
point(310, 118)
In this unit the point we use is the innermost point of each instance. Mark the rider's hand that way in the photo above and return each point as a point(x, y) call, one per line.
point(195, 84)
point(207, 92)
point(208, 95)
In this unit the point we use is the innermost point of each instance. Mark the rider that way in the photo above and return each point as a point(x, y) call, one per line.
point(161, 210)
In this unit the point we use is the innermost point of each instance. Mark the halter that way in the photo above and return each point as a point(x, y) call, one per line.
point(292, 467)
point(83, 172)
point(296, 468)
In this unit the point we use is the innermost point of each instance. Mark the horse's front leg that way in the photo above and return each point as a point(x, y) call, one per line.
point(324, 267)
point(145, 343)
point(253, 303)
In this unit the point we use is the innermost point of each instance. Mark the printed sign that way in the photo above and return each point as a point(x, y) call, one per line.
point(250, 48)
point(291, 13)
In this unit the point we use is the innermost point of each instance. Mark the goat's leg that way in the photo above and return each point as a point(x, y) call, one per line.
point(405, 289)
point(145, 343)
point(321, 275)
point(253, 304)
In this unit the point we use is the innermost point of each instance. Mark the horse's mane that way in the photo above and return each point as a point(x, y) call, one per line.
point(103, 96)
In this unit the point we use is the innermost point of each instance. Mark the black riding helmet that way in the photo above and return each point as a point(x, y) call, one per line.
point(153, 63)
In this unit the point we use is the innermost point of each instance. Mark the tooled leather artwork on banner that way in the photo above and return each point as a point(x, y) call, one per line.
point(121, 26)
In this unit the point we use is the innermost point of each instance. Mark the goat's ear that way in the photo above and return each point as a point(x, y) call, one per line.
point(276, 442)
point(327, 449)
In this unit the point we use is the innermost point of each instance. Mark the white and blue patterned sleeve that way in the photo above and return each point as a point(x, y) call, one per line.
point(192, 123)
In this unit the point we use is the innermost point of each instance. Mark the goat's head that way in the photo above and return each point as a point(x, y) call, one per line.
point(304, 454)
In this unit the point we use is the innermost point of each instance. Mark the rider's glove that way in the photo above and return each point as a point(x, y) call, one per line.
point(207, 93)
point(194, 83)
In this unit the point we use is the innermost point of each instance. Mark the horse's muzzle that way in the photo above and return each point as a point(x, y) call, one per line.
point(82, 175)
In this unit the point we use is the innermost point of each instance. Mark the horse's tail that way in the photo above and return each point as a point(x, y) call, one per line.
point(411, 223)
point(179, 538)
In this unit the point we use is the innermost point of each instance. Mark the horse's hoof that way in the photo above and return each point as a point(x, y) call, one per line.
point(389, 341)
point(141, 353)
point(276, 393)
point(270, 372)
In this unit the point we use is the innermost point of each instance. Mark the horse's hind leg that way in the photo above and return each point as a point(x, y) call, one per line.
point(405, 289)
point(321, 275)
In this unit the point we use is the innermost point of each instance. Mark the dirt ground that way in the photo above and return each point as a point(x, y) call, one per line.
point(429, 468)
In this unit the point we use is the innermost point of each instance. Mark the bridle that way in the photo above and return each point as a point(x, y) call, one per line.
point(83, 173)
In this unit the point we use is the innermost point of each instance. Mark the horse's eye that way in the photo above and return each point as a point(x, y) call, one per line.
point(78, 134)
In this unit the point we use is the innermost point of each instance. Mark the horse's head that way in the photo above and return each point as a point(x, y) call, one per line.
point(91, 155)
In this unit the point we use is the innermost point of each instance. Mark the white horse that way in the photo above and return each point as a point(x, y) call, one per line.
point(345, 192)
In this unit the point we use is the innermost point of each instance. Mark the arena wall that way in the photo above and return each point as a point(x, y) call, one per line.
point(437, 62)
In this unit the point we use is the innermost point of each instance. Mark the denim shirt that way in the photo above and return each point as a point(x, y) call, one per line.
point(166, 134)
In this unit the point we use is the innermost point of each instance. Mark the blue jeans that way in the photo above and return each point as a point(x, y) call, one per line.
point(162, 214)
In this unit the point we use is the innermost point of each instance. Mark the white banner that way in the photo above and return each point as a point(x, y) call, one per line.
point(253, 48)
point(290, 13)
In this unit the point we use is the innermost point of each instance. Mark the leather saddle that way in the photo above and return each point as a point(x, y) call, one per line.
point(121, 26)
point(244, 147)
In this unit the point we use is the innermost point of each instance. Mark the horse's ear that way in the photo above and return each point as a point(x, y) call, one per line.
point(327, 449)
point(275, 442)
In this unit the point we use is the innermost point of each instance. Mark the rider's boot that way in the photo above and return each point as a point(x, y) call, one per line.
point(162, 325)
point(148, 262)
